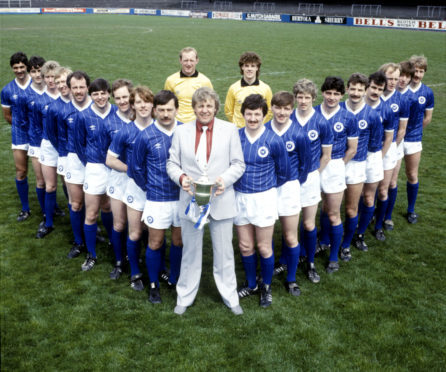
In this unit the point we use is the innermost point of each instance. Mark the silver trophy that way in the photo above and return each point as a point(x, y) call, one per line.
point(203, 190)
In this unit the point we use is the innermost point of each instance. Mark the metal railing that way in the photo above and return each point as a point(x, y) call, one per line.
point(366, 10)
point(307, 8)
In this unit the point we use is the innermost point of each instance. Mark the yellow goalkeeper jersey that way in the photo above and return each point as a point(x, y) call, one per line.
point(237, 93)
point(184, 87)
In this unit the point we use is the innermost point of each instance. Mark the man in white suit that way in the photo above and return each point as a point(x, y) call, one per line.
point(207, 146)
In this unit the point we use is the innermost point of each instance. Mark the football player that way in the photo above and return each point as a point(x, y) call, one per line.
point(117, 181)
point(345, 142)
point(318, 131)
point(418, 120)
point(249, 64)
point(93, 134)
point(185, 82)
point(151, 151)
point(19, 130)
point(267, 167)
point(381, 135)
point(399, 114)
point(288, 195)
point(119, 157)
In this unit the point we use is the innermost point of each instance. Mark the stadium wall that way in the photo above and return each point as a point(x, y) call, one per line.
point(395, 23)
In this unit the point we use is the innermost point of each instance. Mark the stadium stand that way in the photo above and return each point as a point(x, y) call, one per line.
point(435, 9)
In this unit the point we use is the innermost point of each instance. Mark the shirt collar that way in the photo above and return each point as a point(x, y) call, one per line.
point(195, 74)
point(245, 84)
point(210, 125)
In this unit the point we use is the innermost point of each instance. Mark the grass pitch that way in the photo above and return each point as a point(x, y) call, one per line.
point(385, 310)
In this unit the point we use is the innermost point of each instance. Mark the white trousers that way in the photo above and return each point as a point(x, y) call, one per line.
point(191, 262)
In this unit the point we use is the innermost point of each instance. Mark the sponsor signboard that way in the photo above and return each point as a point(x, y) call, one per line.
point(400, 23)
point(145, 11)
point(175, 13)
point(111, 10)
point(263, 17)
point(227, 15)
point(198, 14)
point(20, 10)
point(63, 10)
point(319, 19)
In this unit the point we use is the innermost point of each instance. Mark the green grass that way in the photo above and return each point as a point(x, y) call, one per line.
point(385, 310)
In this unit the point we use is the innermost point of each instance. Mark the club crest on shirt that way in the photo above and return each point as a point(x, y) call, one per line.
point(421, 100)
point(362, 124)
point(313, 135)
point(394, 107)
point(338, 127)
point(15, 96)
point(263, 152)
point(290, 146)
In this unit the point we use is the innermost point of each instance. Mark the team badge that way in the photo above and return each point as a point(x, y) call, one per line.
point(313, 135)
point(338, 127)
point(362, 124)
point(149, 219)
point(290, 146)
point(60, 168)
point(394, 107)
point(31, 151)
point(42, 158)
point(421, 100)
point(85, 186)
point(15, 96)
point(111, 189)
point(130, 199)
point(68, 175)
point(263, 152)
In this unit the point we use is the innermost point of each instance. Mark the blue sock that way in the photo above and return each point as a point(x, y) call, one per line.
point(107, 221)
point(133, 254)
point(381, 208)
point(176, 253)
point(90, 232)
point(303, 251)
point(267, 268)
point(76, 225)
point(310, 238)
point(41, 198)
point(50, 201)
point(116, 241)
point(292, 262)
point(350, 228)
point(153, 262)
point(365, 218)
point(250, 266)
point(412, 192)
point(22, 189)
point(335, 241)
point(324, 232)
point(391, 204)
point(163, 257)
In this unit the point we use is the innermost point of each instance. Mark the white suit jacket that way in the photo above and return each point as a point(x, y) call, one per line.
point(225, 160)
